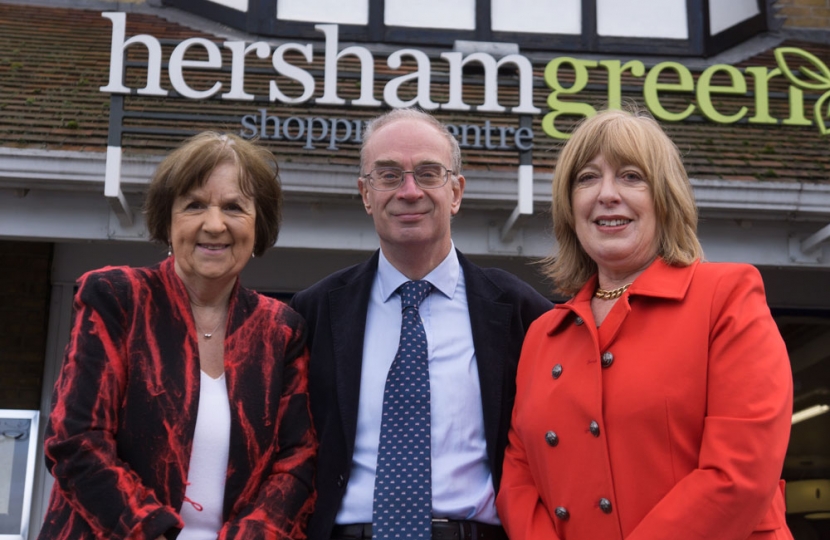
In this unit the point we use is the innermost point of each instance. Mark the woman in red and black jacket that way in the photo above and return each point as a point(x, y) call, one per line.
point(181, 410)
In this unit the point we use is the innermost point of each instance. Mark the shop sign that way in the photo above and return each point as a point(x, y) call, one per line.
point(752, 83)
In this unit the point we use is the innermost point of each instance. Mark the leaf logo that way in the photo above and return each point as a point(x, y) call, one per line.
point(804, 77)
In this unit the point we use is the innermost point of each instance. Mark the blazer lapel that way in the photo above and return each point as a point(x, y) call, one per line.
point(490, 320)
point(348, 307)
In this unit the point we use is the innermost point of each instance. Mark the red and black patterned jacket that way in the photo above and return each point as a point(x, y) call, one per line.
point(119, 437)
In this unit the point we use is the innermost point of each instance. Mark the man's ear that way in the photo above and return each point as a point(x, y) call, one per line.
point(364, 194)
point(457, 193)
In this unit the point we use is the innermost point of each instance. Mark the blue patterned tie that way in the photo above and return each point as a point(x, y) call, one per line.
point(403, 492)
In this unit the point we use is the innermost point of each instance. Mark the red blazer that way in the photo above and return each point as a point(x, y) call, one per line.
point(124, 411)
point(692, 414)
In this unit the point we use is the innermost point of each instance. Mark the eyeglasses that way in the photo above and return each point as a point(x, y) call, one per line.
point(427, 176)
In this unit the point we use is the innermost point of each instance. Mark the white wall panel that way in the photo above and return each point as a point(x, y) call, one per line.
point(324, 11)
point(537, 16)
point(456, 14)
point(239, 5)
point(725, 14)
point(643, 18)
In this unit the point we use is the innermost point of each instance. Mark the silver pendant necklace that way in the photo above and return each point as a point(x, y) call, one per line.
point(209, 335)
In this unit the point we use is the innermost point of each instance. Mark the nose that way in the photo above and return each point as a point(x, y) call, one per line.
point(409, 189)
point(608, 189)
point(214, 220)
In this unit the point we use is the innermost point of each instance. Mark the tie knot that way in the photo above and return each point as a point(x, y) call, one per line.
point(414, 292)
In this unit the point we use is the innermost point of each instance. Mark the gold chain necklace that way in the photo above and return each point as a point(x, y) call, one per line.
point(602, 294)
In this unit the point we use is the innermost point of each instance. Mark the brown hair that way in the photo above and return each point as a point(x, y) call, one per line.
point(623, 138)
point(189, 166)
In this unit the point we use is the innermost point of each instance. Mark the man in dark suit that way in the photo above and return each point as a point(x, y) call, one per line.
point(474, 321)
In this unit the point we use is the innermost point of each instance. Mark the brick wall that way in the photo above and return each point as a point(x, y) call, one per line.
point(24, 316)
point(814, 14)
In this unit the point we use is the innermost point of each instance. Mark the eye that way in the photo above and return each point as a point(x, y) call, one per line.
point(194, 205)
point(632, 176)
point(387, 175)
point(428, 172)
point(584, 177)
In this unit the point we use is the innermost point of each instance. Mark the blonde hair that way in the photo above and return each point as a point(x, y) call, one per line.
point(623, 138)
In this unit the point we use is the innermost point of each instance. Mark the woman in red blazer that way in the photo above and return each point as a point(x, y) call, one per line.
point(181, 410)
point(656, 403)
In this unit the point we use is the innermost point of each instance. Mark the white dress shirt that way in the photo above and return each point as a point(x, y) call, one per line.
point(462, 483)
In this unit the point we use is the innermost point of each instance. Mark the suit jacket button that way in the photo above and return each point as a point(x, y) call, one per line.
point(594, 427)
point(607, 359)
point(551, 438)
point(605, 505)
point(562, 513)
point(341, 481)
point(556, 371)
point(579, 321)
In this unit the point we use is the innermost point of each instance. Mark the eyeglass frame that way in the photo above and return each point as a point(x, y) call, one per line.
point(447, 173)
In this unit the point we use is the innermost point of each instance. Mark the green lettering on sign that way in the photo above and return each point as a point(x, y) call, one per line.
point(559, 107)
point(615, 78)
point(672, 94)
point(651, 88)
point(705, 89)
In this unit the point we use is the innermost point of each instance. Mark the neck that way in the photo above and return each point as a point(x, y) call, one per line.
point(208, 293)
point(415, 262)
point(609, 278)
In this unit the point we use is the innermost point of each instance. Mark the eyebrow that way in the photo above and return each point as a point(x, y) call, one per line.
point(240, 197)
point(393, 163)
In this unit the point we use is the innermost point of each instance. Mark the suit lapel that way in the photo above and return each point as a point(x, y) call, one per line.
point(490, 321)
point(348, 307)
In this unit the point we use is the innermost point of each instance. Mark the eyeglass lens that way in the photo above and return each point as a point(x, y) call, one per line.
point(427, 176)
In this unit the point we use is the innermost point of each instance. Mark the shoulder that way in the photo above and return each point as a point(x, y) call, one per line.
point(499, 283)
point(117, 281)
point(730, 286)
point(726, 277)
point(507, 281)
point(113, 293)
point(107, 274)
point(352, 275)
point(271, 308)
point(721, 270)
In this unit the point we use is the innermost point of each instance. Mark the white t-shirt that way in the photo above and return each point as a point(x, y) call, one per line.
point(205, 493)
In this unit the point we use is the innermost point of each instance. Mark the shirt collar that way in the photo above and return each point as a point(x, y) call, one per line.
point(443, 277)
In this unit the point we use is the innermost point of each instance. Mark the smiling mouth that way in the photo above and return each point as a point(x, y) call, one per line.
point(612, 222)
point(409, 215)
point(213, 247)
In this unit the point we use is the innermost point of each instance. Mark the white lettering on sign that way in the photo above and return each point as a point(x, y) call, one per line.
point(332, 56)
